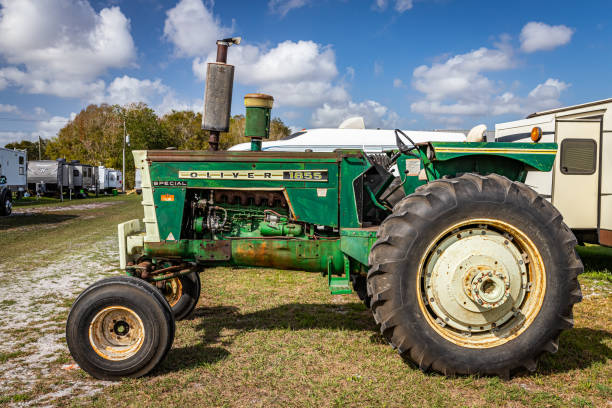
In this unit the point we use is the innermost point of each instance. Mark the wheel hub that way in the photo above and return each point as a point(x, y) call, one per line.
point(475, 280)
point(116, 333)
point(488, 289)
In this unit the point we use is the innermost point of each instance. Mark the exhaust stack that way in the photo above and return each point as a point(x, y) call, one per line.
point(218, 94)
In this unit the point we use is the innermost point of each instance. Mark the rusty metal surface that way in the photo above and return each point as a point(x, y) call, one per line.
point(605, 237)
point(214, 251)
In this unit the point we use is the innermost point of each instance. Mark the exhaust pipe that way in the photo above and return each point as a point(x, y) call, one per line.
point(218, 94)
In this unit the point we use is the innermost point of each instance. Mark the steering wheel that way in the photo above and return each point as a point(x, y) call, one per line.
point(402, 146)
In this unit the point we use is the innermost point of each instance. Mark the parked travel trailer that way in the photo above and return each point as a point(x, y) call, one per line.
point(115, 180)
point(138, 181)
point(13, 166)
point(580, 184)
point(77, 175)
point(95, 180)
point(328, 140)
point(50, 176)
point(109, 179)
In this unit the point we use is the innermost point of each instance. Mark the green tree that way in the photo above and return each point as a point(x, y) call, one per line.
point(93, 137)
point(31, 148)
point(278, 130)
point(183, 130)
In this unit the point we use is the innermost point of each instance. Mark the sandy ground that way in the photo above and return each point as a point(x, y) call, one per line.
point(55, 208)
point(32, 317)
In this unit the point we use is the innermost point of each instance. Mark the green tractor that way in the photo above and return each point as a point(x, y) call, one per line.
point(468, 271)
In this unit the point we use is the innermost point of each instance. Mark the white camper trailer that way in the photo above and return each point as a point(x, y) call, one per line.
point(580, 184)
point(13, 166)
point(50, 177)
point(328, 140)
point(95, 180)
point(138, 181)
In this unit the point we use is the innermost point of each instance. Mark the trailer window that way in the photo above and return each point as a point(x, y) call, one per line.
point(21, 160)
point(75, 173)
point(21, 171)
point(578, 156)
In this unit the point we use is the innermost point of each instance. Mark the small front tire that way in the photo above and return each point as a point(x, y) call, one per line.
point(182, 294)
point(118, 327)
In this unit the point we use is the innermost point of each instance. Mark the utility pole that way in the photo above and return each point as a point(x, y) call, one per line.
point(39, 144)
point(123, 174)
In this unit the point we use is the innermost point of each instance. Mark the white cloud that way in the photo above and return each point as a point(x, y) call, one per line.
point(304, 93)
point(461, 76)
point(8, 108)
point(378, 68)
point(10, 137)
point(551, 89)
point(61, 47)
point(537, 36)
point(171, 102)
point(298, 74)
point(45, 128)
point(374, 114)
point(49, 128)
point(400, 5)
point(124, 90)
point(288, 62)
point(283, 7)
point(193, 29)
point(457, 87)
point(350, 73)
point(403, 5)
point(398, 83)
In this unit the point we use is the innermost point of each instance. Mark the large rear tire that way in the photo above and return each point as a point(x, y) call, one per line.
point(474, 275)
point(119, 327)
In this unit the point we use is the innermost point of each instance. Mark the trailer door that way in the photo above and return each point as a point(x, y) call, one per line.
point(576, 175)
point(605, 204)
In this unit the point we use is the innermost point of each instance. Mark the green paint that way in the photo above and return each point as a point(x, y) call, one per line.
point(340, 285)
point(256, 144)
point(320, 229)
point(257, 122)
point(356, 243)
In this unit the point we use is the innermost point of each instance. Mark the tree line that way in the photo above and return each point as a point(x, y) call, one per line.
point(95, 135)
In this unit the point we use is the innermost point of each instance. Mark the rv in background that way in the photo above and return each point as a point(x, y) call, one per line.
point(83, 178)
point(50, 177)
point(328, 140)
point(13, 166)
point(95, 180)
point(580, 184)
point(108, 179)
point(351, 134)
point(138, 181)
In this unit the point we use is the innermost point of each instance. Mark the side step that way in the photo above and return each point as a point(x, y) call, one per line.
point(340, 285)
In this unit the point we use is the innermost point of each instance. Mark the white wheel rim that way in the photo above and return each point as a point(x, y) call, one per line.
point(481, 283)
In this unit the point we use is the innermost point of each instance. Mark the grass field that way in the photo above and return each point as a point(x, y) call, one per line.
point(258, 338)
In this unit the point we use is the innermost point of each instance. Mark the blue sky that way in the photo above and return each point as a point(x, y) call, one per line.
point(420, 64)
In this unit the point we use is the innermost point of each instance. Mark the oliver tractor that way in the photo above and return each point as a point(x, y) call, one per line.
point(465, 268)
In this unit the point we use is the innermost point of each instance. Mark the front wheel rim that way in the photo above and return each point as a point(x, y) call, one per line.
point(116, 333)
point(481, 283)
point(173, 290)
